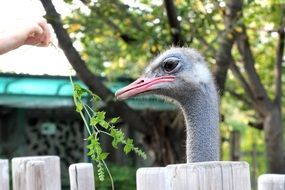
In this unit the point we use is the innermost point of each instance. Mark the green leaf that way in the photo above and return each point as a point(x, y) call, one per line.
point(115, 143)
point(100, 115)
point(104, 124)
point(129, 146)
point(78, 90)
point(114, 120)
point(79, 106)
point(91, 152)
point(103, 155)
point(100, 170)
point(90, 146)
point(95, 98)
point(139, 152)
point(90, 137)
point(93, 121)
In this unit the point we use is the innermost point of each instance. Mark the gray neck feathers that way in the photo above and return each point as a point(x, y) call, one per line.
point(200, 109)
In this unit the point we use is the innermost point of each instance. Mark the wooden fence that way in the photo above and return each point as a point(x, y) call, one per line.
point(43, 173)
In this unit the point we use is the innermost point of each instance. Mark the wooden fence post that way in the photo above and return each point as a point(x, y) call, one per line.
point(81, 176)
point(151, 178)
point(209, 175)
point(51, 172)
point(196, 176)
point(35, 176)
point(4, 175)
point(271, 182)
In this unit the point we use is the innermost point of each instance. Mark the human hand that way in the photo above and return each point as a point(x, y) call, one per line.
point(35, 33)
point(25, 32)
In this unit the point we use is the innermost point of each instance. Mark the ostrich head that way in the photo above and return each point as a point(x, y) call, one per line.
point(181, 74)
point(173, 74)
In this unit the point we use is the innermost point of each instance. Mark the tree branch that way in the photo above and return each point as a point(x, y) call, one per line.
point(238, 75)
point(239, 97)
point(175, 28)
point(260, 96)
point(224, 55)
point(93, 82)
point(279, 57)
point(258, 126)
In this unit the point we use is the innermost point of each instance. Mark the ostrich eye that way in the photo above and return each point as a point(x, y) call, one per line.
point(169, 65)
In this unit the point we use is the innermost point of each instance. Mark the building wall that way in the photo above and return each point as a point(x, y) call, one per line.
point(30, 132)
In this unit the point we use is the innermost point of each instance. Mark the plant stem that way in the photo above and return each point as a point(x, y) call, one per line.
point(85, 123)
point(109, 173)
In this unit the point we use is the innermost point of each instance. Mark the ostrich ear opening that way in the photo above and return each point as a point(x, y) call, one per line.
point(141, 85)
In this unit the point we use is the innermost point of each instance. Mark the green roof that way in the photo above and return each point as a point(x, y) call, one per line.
point(28, 91)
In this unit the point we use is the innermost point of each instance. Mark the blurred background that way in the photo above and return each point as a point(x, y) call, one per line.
point(108, 43)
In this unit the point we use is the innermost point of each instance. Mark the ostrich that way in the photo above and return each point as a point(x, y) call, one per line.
point(181, 75)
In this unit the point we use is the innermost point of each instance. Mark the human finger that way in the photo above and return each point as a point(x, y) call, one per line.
point(45, 40)
point(47, 37)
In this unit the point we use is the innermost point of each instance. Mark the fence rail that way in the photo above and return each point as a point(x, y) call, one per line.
point(43, 173)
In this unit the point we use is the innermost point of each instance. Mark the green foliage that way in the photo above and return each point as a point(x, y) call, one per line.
point(97, 126)
point(116, 34)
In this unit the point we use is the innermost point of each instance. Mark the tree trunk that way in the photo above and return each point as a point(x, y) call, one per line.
point(235, 145)
point(175, 28)
point(224, 55)
point(274, 141)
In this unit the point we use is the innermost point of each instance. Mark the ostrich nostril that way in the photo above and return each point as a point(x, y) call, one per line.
point(142, 81)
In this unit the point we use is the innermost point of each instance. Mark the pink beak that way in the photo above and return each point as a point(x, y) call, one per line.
point(141, 85)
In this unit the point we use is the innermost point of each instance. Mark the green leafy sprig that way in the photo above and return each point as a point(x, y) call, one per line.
point(98, 125)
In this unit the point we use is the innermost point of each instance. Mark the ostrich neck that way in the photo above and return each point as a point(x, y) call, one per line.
point(201, 115)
